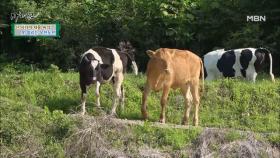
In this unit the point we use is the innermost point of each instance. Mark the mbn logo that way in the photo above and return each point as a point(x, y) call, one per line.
point(256, 18)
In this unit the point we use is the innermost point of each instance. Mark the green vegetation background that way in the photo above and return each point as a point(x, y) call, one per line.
point(197, 25)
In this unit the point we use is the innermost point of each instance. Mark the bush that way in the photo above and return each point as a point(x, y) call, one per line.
point(186, 24)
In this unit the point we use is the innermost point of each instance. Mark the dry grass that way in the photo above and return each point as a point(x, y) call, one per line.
point(97, 137)
point(216, 143)
point(90, 140)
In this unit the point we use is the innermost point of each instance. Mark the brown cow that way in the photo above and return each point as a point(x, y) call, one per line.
point(173, 68)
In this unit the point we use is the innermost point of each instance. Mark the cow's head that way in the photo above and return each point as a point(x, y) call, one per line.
point(162, 57)
point(129, 50)
point(262, 55)
point(90, 68)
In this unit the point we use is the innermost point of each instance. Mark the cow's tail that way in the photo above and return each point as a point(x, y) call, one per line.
point(268, 54)
point(270, 67)
point(202, 76)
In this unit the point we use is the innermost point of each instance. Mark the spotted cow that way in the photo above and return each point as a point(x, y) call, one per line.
point(101, 65)
point(244, 62)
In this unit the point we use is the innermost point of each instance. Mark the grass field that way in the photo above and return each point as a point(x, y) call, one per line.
point(225, 103)
point(38, 101)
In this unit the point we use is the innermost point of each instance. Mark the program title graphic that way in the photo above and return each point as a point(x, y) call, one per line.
point(35, 30)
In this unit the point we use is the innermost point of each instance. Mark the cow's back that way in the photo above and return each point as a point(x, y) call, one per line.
point(105, 54)
point(186, 66)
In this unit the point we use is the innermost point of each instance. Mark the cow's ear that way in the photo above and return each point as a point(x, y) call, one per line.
point(150, 53)
point(172, 53)
point(86, 59)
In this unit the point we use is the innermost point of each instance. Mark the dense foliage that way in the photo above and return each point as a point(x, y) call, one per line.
point(198, 25)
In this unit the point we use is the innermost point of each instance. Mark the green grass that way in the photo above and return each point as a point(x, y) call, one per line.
point(32, 103)
point(164, 137)
point(233, 135)
point(225, 103)
point(27, 130)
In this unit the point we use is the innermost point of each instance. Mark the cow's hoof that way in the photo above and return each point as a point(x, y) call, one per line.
point(185, 123)
point(145, 115)
point(162, 120)
point(195, 123)
point(145, 118)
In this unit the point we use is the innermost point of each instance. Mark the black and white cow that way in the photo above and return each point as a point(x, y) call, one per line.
point(100, 65)
point(244, 62)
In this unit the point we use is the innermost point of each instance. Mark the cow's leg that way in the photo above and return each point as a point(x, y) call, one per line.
point(83, 98)
point(145, 94)
point(117, 91)
point(211, 74)
point(195, 94)
point(252, 76)
point(122, 97)
point(188, 97)
point(163, 102)
point(97, 94)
